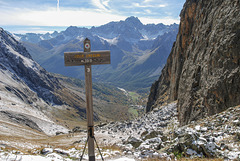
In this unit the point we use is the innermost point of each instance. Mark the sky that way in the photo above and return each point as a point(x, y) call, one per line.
point(49, 14)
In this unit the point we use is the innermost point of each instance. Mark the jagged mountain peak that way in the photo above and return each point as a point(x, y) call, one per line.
point(72, 29)
point(134, 21)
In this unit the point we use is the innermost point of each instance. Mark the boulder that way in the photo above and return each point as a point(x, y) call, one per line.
point(76, 129)
point(46, 151)
point(134, 142)
point(146, 135)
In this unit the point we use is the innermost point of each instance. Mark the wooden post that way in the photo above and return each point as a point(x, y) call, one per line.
point(89, 101)
point(88, 58)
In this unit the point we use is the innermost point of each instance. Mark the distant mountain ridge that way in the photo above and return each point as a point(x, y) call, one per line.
point(132, 28)
point(131, 43)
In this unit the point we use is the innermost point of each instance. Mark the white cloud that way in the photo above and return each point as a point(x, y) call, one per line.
point(7, 17)
point(162, 5)
point(147, 1)
point(105, 2)
point(148, 11)
point(51, 17)
point(101, 5)
point(149, 6)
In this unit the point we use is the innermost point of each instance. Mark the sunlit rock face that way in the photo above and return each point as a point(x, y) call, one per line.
point(203, 69)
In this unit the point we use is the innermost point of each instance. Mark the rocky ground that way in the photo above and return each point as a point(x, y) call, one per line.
point(154, 135)
point(157, 135)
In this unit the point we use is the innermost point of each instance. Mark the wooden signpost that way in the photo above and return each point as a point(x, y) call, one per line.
point(88, 58)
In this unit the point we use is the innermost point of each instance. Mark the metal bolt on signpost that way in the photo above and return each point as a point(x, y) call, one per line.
point(88, 58)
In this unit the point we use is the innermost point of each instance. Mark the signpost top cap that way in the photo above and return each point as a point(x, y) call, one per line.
point(86, 39)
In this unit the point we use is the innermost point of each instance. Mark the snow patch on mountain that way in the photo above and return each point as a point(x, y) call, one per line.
point(110, 35)
point(80, 38)
point(112, 41)
point(18, 38)
point(147, 35)
point(26, 61)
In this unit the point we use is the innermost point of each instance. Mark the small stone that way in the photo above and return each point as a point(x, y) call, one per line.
point(129, 153)
point(236, 122)
point(172, 156)
point(209, 149)
point(238, 136)
point(191, 152)
point(203, 129)
point(233, 155)
point(164, 138)
point(198, 127)
point(62, 152)
point(46, 151)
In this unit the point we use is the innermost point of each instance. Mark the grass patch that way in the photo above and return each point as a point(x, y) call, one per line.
point(134, 96)
point(111, 147)
point(133, 111)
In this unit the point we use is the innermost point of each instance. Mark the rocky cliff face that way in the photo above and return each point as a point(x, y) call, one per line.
point(203, 69)
point(15, 59)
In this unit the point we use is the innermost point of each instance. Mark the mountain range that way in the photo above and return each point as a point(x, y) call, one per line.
point(31, 97)
point(138, 51)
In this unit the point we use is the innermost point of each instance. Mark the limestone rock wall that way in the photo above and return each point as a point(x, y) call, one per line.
point(203, 68)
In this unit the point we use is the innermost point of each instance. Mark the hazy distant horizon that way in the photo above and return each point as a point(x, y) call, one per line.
point(36, 29)
point(23, 29)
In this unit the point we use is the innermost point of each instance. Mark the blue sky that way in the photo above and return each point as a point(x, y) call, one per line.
point(86, 12)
